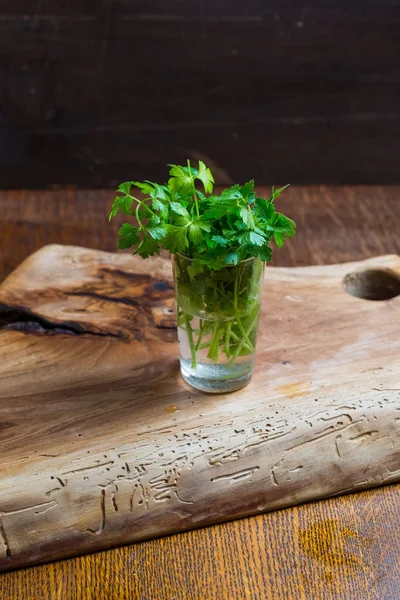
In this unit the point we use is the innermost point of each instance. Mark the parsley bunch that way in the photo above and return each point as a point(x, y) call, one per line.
point(218, 291)
point(213, 230)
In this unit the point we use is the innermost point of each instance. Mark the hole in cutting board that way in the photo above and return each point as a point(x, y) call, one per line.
point(373, 284)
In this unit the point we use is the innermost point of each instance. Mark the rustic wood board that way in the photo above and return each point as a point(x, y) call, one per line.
point(102, 443)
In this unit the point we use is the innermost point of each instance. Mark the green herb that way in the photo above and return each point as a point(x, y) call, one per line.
point(210, 234)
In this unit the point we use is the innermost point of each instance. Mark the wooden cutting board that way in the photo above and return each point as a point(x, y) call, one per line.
point(102, 443)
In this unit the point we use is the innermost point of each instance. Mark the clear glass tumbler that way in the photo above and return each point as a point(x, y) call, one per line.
point(217, 317)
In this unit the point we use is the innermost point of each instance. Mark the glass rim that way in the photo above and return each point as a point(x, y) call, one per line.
point(239, 263)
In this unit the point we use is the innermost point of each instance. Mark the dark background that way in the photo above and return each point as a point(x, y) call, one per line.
point(94, 92)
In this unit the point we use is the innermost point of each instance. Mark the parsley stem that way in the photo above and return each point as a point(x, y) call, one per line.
point(237, 339)
point(204, 346)
point(138, 206)
point(141, 203)
point(199, 339)
point(242, 330)
point(213, 352)
point(237, 316)
point(137, 216)
point(227, 338)
point(194, 189)
point(192, 347)
point(148, 209)
point(242, 343)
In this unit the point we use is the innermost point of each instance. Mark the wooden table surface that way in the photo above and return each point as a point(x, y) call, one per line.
point(343, 548)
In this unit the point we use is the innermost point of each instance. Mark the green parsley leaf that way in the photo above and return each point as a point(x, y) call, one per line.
point(125, 187)
point(264, 208)
point(181, 181)
point(147, 247)
point(220, 240)
point(201, 196)
point(204, 226)
point(146, 187)
point(232, 258)
point(247, 217)
point(157, 232)
point(247, 191)
point(128, 236)
point(176, 240)
point(160, 191)
point(123, 203)
point(160, 206)
point(276, 193)
point(205, 176)
point(265, 253)
point(154, 220)
point(211, 243)
point(256, 238)
point(194, 268)
point(279, 222)
point(232, 193)
point(179, 209)
point(220, 207)
point(195, 233)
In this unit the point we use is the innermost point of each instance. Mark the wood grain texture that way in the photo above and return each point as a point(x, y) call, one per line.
point(254, 558)
point(338, 549)
point(103, 443)
point(276, 91)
